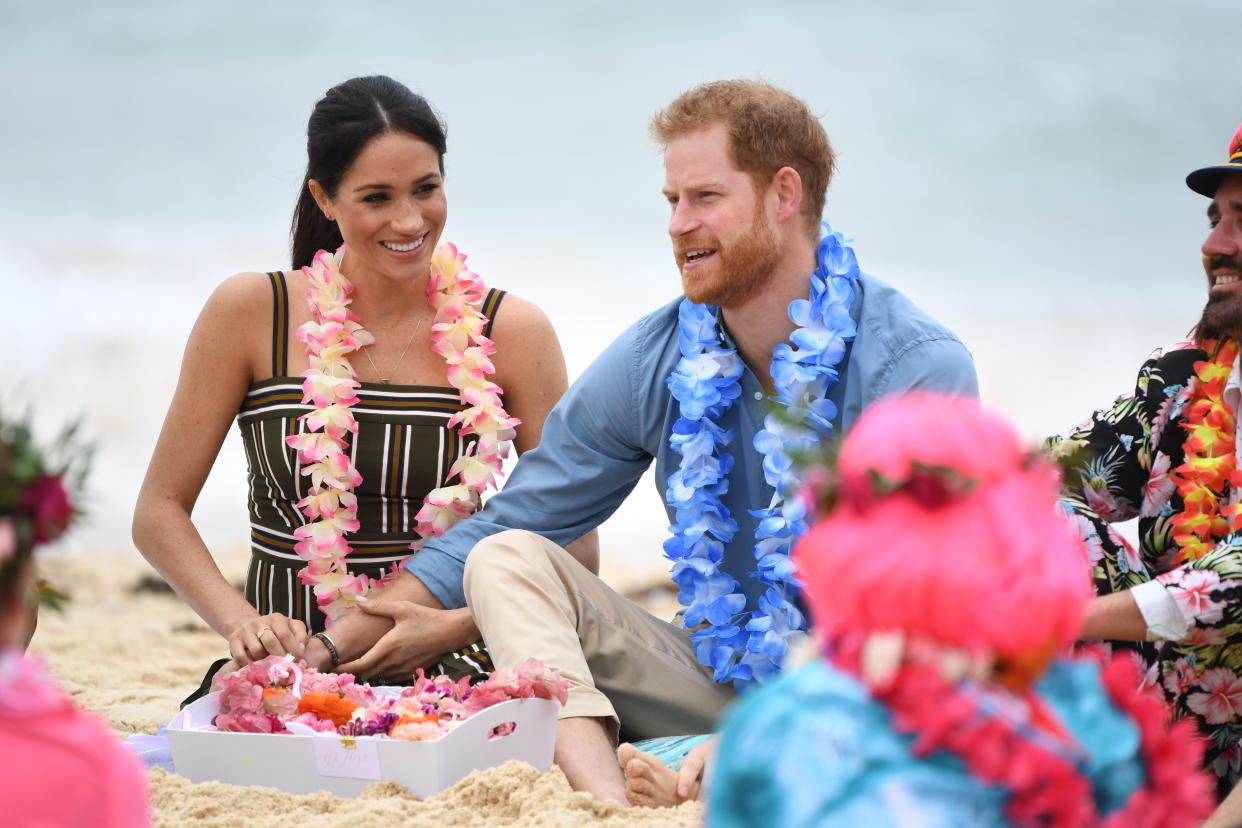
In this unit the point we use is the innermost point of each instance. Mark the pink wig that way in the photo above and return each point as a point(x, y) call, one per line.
point(985, 563)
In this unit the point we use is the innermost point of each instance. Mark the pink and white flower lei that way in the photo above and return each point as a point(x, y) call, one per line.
point(456, 294)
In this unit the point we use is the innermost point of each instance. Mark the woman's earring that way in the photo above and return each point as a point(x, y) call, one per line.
point(328, 217)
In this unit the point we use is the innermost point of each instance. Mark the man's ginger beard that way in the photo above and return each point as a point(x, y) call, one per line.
point(1222, 315)
point(739, 273)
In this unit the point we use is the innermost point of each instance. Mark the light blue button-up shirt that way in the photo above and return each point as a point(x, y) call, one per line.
point(610, 425)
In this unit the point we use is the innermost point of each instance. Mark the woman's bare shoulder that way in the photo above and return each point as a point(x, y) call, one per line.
point(519, 320)
point(243, 291)
point(237, 320)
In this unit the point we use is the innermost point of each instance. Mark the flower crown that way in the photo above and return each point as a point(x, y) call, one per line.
point(35, 502)
point(930, 485)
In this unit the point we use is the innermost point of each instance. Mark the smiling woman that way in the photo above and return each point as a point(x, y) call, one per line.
point(352, 466)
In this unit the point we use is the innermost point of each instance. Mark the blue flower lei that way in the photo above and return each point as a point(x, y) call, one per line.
point(747, 645)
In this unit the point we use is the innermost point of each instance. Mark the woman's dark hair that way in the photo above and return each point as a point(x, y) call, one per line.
point(344, 120)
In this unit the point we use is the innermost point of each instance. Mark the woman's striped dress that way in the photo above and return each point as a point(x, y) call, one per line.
point(403, 450)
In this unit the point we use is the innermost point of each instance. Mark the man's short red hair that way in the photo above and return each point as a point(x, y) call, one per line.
point(768, 129)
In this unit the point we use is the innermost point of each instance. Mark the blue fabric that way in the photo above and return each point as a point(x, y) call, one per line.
point(812, 748)
point(671, 750)
point(153, 750)
point(617, 417)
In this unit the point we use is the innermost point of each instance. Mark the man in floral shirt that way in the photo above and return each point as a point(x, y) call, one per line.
point(1168, 455)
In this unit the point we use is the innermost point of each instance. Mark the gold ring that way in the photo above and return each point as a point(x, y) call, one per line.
point(262, 632)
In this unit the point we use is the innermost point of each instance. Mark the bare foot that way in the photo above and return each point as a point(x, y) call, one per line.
point(648, 781)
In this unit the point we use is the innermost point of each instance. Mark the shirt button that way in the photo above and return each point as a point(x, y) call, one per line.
point(758, 395)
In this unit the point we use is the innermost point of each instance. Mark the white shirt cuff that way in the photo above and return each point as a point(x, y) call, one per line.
point(1165, 619)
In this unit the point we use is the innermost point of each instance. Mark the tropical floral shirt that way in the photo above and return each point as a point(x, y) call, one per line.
point(1118, 465)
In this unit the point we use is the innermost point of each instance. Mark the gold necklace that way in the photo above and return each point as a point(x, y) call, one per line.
point(387, 379)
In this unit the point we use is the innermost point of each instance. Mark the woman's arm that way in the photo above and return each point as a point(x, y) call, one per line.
point(216, 371)
point(530, 367)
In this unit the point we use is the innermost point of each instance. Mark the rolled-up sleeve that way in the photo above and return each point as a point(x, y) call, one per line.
point(588, 460)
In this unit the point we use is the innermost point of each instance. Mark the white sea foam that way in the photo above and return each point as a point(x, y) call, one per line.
point(1016, 169)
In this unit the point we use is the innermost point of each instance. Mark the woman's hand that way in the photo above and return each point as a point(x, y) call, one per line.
point(264, 635)
point(419, 636)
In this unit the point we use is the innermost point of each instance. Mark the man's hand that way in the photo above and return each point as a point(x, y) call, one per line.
point(419, 636)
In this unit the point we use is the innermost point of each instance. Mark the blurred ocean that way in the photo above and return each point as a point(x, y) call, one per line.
point(1015, 168)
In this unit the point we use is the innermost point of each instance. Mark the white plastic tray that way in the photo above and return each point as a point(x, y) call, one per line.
point(326, 762)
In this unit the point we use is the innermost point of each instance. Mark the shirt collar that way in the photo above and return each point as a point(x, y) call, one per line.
point(1233, 386)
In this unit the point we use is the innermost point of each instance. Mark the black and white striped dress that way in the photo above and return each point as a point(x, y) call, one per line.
point(403, 450)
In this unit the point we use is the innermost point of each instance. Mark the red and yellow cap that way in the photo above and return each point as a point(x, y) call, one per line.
point(1206, 180)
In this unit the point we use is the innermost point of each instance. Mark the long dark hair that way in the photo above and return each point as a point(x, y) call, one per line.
point(344, 120)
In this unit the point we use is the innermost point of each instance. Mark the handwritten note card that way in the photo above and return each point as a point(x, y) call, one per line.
point(355, 759)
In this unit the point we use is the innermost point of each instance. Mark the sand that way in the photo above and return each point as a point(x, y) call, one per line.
point(131, 653)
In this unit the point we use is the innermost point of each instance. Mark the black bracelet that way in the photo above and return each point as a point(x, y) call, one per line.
point(327, 642)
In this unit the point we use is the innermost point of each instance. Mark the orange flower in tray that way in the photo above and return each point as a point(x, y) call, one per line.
point(332, 707)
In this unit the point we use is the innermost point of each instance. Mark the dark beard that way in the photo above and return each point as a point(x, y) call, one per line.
point(1222, 316)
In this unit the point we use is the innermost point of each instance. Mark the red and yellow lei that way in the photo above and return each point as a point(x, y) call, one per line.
point(1203, 480)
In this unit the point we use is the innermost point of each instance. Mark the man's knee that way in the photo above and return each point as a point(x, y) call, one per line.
point(499, 558)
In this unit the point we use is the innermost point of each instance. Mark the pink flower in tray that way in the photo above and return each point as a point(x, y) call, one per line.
point(240, 696)
point(249, 723)
point(536, 680)
point(283, 671)
point(425, 731)
point(360, 694)
point(280, 703)
point(342, 683)
point(438, 685)
point(314, 722)
point(530, 679)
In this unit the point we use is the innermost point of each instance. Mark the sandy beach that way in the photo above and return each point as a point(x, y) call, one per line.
point(130, 650)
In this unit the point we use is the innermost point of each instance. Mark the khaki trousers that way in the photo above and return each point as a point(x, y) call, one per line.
point(532, 599)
